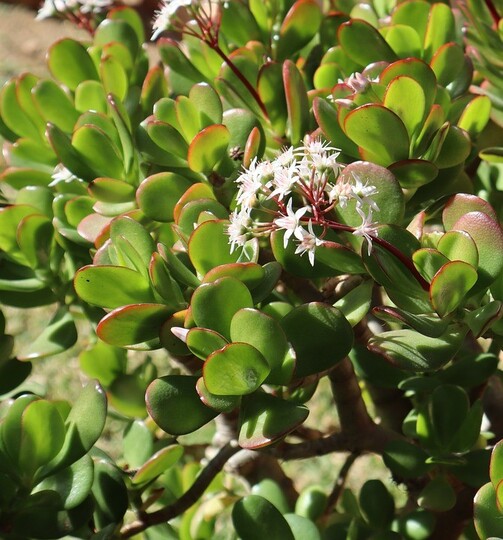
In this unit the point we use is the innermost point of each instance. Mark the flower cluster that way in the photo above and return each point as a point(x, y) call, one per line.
point(63, 8)
point(193, 17)
point(297, 193)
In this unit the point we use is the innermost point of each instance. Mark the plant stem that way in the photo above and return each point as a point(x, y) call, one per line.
point(190, 497)
point(340, 482)
point(241, 77)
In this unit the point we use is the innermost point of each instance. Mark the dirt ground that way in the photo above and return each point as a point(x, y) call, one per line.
point(24, 41)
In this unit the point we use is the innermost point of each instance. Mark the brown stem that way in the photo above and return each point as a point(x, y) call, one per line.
point(187, 499)
point(340, 482)
point(241, 77)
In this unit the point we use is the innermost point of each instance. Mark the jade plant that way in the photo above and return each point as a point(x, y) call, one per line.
point(298, 202)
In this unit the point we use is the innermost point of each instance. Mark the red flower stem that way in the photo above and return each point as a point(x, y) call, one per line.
point(388, 247)
point(241, 77)
point(493, 11)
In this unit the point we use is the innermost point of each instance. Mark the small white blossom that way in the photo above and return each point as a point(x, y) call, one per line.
point(367, 229)
point(291, 222)
point(61, 174)
point(180, 333)
point(341, 192)
point(284, 180)
point(164, 16)
point(239, 228)
point(52, 8)
point(357, 82)
point(364, 193)
point(345, 103)
point(250, 184)
point(308, 242)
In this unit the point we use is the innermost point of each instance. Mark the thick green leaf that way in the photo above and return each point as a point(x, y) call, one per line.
point(462, 203)
point(447, 62)
point(296, 101)
point(405, 459)
point(109, 493)
point(99, 151)
point(175, 406)
point(440, 29)
point(412, 351)
point(450, 286)
point(126, 394)
point(405, 97)
point(202, 342)
point(320, 335)
point(267, 337)
point(210, 233)
point(133, 325)
point(488, 237)
point(236, 369)
point(84, 425)
point(379, 131)
point(220, 403)
point(389, 196)
point(103, 362)
point(459, 246)
point(377, 505)
point(137, 236)
point(58, 336)
point(487, 513)
point(112, 286)
point(438, 495)
point(353, 33)
point(70, 63)
point(448, 409)
point(298, 27)
point(414, 173)
point(265, 418)
point(271, 91)
point(34, 448)
point(158, 194)
point(73, 484)
point(208, 148)
point(158, 463)
point(207, 102)
point(255, 518)
point(55, 105)
point(428, 325)
point(215, 304)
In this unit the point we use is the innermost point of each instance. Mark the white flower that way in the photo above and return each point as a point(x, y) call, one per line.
point(164, 16)
point(180, 333)
point(342, 192)
point(283, 181)
point(52, 8)
point(61, 174)
point(357, 82)
point(308, 242)
point(239, 228)
point(291, 222)
point(251, 182)
point(367, 229)
point(363, 193)
point(345, 103)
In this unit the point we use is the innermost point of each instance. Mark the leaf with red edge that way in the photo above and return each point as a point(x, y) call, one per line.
point(298, 27)
point(379, 131)
point(208, 148)
point(235, 370)
point(136, 325)
point(460, 204)
point(488, 237)
point(175, 406)
point(265, 418)
point(354, 33)
point(296, 101)
point(450, 285)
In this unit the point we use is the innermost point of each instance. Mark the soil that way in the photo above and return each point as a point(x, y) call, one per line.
point(24, 41)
